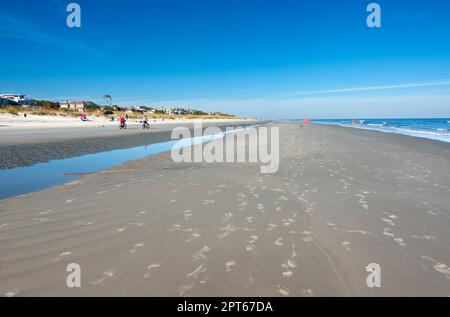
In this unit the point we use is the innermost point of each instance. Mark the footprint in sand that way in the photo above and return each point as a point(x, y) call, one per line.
point(185, 288)
point(105, 275)
point(137, 224)
point(438, 266)
point(271, 226)
point(400, 241)
point(307, 235)
point(199, 270)
point(286, 273)
point(362, 201)
point(228, 216)
point(89, 223)
point(279, 242)
point(12, 293)
point(251, 243)
point(359, 231)
point(332, 225)
point(289, 264)
point(249, 247)
point(67, 253)
point(208, 202)
point(150, 268)
point(249, 219)
point(201, 254)
point(307, 293)
point(292, 264)
point(243, 205)
point(194, 236)
point(136, 247)
point(346, 245)
point(286, 222)
point(69, 201)
point(388, 221)
point(283, 291)
point(187, 214)
point(425, 237)
point(387, 232)
point(142, 213)
point(253, 239)
point(178, 227)
point(228, 229)
point(229, 264)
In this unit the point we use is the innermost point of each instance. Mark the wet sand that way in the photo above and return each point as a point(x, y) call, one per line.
point(342, 198)
point(24, 147)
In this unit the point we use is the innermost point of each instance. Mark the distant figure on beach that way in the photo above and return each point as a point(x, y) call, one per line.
point(123, 124)
point(145, 124)
point(306, 121)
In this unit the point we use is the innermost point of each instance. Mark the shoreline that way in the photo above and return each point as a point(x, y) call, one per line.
point(395, 136)
point(435, 135)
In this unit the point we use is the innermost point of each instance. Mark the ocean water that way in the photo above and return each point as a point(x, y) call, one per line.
point(435, 129)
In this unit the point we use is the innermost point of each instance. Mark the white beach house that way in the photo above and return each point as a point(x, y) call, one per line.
point(13, 97)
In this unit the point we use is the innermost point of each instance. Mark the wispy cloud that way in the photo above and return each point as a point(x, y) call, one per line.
point(367, 88)
point(12, 27)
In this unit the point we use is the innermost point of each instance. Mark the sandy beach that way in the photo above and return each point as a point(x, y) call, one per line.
point(24, 145)
point(343, 198)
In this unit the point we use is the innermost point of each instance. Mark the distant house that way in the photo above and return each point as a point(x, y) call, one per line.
point(76, 105)
point(13, 97)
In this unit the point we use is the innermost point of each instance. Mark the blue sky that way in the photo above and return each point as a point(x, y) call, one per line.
point(272, 59)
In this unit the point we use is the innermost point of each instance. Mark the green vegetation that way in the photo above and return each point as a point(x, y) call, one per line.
point(46, 107)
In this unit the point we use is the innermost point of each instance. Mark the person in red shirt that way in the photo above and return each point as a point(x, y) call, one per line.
point(122, 122)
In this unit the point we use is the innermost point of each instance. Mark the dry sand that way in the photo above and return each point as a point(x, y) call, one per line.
point(343, 198)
